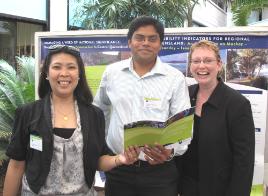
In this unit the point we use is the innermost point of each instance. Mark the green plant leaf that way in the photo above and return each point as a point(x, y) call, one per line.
point(16, 89)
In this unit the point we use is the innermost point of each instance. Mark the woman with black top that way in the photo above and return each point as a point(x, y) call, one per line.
point(58, 142)
point(220, 158)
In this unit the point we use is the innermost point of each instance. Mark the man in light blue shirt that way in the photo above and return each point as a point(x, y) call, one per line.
point(142, 88)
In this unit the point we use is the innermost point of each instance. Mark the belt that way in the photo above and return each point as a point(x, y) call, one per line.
point(145, 164)
point(141, 163)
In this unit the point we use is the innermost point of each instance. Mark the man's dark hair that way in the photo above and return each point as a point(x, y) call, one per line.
point(145, 21)
point(82, 91)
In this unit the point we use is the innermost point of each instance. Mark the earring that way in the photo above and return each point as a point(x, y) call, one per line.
point(46, 78)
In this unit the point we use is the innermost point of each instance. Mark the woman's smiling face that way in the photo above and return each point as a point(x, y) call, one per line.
point(205, 66)
point(63, 74)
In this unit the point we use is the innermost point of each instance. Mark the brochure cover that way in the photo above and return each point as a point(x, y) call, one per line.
point(176, 128)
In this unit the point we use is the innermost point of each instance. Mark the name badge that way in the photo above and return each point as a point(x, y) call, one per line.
point(36, 142)
point(152, 102)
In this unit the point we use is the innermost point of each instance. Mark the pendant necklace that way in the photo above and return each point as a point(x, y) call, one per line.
point(65, 116)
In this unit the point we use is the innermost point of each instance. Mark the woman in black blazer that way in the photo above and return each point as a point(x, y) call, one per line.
point(58, 142)
point(220, 158)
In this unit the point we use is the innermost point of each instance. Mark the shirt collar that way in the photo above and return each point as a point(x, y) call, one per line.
point(157, 69)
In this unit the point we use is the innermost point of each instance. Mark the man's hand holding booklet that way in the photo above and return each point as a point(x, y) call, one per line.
point(176, 128)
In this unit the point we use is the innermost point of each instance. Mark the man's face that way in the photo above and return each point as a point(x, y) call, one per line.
point(145, 44)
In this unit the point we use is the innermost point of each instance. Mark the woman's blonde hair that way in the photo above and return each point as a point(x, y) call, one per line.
point(204, 44)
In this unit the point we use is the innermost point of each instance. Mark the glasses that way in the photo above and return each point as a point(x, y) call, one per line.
point(59, 47)
point(142, 38)
point(204, 61)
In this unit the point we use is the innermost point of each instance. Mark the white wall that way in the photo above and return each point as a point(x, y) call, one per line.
point(265, 13)
point(58, 15)
point(254, 16)
point(34, 9)
point(209, 14)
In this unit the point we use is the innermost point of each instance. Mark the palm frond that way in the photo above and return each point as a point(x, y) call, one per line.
point(240, 15)
point(103, 14)
point(28, 92)
point(242, 9)
point(6, 117)
point(26, 68)
point(238, 3)
point(11, 90)
point(7, 70)
point(16, 88)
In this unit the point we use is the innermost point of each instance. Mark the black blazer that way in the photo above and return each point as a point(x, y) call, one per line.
point(35, 118)
point(226, 143)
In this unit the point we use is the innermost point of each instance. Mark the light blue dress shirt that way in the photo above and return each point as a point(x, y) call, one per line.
point(123, 93)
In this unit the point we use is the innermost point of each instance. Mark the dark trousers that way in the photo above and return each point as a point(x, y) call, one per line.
point(189, 186)
point(142, 179)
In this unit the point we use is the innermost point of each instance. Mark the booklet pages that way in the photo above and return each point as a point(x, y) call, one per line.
point(177, 128)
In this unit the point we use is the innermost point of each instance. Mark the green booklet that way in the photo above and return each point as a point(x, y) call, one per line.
point(177, 128)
